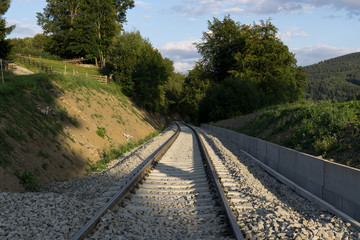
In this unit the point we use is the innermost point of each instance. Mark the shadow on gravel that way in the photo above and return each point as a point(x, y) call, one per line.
point(290, 199)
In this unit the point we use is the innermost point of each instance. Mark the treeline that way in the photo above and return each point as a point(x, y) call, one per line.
point(243, 68)
point(336, 79)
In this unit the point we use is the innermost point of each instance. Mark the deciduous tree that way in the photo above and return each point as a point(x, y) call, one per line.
point(4, 31)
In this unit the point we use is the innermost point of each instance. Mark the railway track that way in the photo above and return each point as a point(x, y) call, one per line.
point(175, 197)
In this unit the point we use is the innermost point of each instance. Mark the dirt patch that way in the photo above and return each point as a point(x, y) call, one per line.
point(19, 70)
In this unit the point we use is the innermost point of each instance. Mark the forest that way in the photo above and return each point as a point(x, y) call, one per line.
point(336, 79)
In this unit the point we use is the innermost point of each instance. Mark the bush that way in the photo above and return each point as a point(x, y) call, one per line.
point(28, 180)
point(227, 99)
point(101, 132)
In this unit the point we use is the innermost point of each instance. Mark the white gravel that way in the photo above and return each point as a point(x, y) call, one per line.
point(272, 210)
point(60, 209)
point(174, 201)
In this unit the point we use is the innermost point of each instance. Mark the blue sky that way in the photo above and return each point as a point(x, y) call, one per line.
point(314, 30)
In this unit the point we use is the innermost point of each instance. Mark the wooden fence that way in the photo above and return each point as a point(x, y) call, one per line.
point(5, 66)
point(46, 68)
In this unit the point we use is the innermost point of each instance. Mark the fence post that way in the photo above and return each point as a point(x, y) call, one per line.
point(73, 72)
point(65, 70)
point(105, 77)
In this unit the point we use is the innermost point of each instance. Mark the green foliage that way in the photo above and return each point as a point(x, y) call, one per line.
point(330, 130)
point(254, 58)
point(193, 92)
point(5, 46)
point(82, 28)
point(335, 79)
point(267, 62)
point(227, 99)
point(113, 153)
point(28, 180)
point(34, 46)
point(219, 46)
point(140, 70)
point(101, 132)
point(173, 90)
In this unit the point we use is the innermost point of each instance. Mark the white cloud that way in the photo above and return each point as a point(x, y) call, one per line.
point(199, 7)
point(293, 32)
point(183, 53)
point(313, 54)
point(22, 29)
point(180, 50)
point(183, 67)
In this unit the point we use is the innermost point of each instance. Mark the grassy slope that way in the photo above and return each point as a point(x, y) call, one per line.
point(52, 127)
point(329, 130)
point(60, 66)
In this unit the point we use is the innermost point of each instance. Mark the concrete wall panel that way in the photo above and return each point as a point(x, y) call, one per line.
point(287, 163)
point(272, 155)
point(310, 173)
point(252, 146)
point(261, 150)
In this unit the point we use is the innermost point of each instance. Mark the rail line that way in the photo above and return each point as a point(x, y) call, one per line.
point(176, 195)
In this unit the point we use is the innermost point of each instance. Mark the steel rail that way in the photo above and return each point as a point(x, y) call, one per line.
point(223, 199)
point(91, 224)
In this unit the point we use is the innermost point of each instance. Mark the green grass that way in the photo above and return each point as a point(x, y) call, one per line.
point(60, 66)
point(328, 129)
point(113, 153)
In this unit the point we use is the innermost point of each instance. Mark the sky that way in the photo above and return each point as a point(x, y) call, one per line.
point(314, 30)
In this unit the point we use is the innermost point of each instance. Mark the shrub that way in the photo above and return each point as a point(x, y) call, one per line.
point(28, 180)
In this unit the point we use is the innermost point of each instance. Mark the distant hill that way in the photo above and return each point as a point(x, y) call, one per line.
point(336, 79)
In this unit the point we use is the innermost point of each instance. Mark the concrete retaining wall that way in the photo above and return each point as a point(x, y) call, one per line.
point(336, 184)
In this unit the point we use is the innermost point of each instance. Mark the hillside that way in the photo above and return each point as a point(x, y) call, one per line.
point(53, 127)
point(331, 131)
point(336, 79)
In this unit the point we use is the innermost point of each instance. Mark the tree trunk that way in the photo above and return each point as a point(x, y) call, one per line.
point(96, 62)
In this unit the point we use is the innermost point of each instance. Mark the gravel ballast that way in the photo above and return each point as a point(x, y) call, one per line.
point(275, 211)
point(60, 209)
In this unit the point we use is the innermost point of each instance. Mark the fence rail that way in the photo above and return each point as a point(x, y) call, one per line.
point(46, 68)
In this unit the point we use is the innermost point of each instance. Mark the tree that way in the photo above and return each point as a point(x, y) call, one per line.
point(103, 19)
point(83, 27)
point(240, 62)
point(59, 21)
point(140, 70)
point(268, 63)
point(218, 47)
point(4, 43)
point(194, 89)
